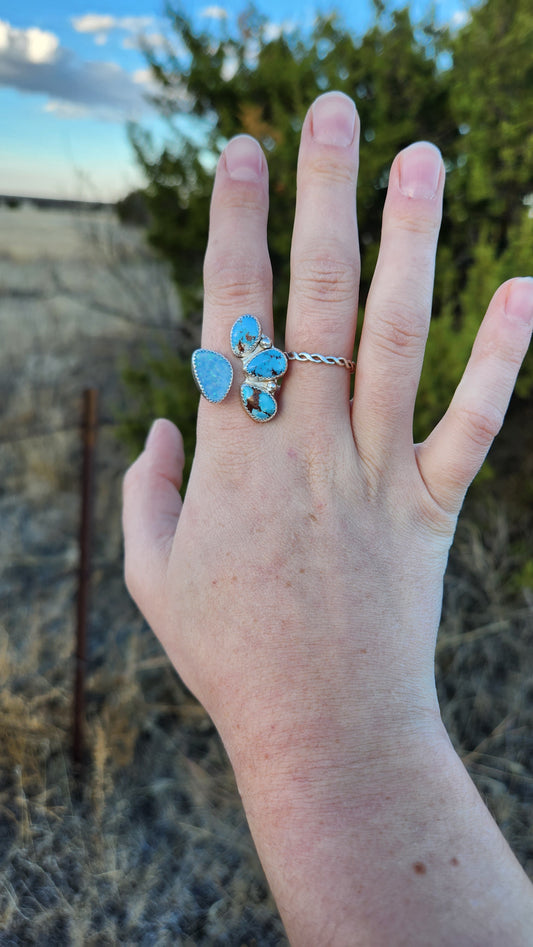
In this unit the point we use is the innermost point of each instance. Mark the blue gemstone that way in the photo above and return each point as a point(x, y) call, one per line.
point(260, 405)
point(271, 363)
point(212, 373)
point(245, 335)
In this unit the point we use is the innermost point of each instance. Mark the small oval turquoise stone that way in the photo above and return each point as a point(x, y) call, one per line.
point(245, 335)
point(259, 404)
point(268, 364)
point(212, 373)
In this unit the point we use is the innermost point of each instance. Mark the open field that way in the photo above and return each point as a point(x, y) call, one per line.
point(151, 847)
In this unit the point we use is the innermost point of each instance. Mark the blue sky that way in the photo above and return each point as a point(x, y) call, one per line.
point(72, 74)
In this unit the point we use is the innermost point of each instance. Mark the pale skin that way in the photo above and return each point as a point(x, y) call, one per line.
point(297, 588)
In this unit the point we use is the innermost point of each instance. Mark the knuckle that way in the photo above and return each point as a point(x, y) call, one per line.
point(401, 333)
point(322, 170)
point(422, 222)
point(325, 279)
point(230, 277)
point(481, 424)
point(244, 197)
point(321, 461)
point(504, 354)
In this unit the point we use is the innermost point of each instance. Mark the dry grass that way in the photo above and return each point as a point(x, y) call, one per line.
point(485, 668)
point(151, 847)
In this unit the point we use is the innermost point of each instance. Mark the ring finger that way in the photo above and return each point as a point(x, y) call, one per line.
point(398, 309)
point(322, 307)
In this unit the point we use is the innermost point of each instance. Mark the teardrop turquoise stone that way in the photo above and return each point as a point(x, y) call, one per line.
point(212, 373)
point(268, 364)
point(259, 404)
point(245, 335)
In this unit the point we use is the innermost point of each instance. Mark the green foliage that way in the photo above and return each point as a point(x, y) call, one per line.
point(478, 111)
point(132, 210)
point(263, 86)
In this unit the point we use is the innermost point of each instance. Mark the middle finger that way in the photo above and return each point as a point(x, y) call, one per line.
point(325, 268)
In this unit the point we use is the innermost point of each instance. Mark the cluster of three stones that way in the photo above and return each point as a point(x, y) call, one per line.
point(262, 366)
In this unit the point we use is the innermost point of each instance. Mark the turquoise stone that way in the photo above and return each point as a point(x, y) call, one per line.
point(245, 335)
point(259, 404)
point(212, 373)
point(268, 364)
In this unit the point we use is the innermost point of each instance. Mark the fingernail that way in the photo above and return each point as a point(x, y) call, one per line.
point(244, 159)
point(333, 119)
point(519, 302)
point(420, 170)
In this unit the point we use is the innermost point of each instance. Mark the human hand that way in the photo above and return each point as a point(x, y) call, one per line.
point(298, 587)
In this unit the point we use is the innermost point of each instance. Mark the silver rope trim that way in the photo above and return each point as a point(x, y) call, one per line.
point(323, 359)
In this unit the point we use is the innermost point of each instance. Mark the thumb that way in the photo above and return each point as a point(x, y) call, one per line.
point(151, 509)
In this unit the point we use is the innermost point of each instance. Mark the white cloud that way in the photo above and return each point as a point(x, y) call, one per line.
point(41, 46)
point(66, 109)
point(33, 61)
point(93, 23)
point(33, 44)
point(142, 76)
point(104, 23)
point(215, 13)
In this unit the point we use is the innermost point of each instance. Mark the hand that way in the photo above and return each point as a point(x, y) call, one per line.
point(297, 589)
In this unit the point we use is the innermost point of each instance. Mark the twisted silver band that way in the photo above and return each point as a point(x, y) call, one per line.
point(324, 359)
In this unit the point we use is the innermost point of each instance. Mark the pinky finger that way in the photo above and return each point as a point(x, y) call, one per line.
point(453, 453)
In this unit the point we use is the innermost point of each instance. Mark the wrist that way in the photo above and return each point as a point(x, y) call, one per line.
point(354, 854)
point(323, 748)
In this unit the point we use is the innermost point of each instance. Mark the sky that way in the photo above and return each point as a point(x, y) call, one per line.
point(72, 75)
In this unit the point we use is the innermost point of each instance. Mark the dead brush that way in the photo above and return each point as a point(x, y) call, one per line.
point(32, 720)
point(157, 850)
point(484, 667)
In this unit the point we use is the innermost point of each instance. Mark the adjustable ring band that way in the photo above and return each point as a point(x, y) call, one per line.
point(324, 359)
point(263, 366)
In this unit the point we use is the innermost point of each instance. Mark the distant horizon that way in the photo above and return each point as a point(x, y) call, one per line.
point(45, 198)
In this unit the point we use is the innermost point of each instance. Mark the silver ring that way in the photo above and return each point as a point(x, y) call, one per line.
point(262, 364)
point(323, 359)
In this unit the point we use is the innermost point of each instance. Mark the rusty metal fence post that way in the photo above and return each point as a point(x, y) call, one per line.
point(89, 431)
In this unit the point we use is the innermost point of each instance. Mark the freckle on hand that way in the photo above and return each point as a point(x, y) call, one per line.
point(419, 868)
